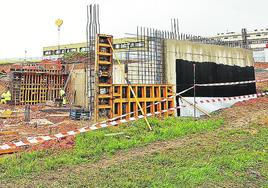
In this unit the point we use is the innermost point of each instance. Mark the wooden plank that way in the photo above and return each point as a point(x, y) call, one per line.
point(8, 151)
point(8, 133)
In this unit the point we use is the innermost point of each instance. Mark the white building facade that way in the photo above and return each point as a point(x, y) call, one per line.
point(257, 41)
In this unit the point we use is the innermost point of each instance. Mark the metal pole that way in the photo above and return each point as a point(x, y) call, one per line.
point(178, 29)
point(194, 92)
point(25, 56)
point(27, 113)
point(58, 41)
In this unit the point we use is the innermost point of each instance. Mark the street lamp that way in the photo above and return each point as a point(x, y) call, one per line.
point(59, 23)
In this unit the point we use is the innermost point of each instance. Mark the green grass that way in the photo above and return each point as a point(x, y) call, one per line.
point(234, 158)
point(92, 146)
point(265, 89)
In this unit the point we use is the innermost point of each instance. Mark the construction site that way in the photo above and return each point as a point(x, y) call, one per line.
point(108, 82)
point(154, 72)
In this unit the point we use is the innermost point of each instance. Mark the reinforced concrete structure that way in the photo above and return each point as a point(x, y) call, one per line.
point(157, 64)
point(213, 64)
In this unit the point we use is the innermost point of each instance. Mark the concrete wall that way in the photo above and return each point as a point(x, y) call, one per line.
point(174, 49)
point(77, 85)
point(119, 74)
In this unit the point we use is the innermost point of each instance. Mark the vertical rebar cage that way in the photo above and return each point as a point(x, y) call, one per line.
point(92, 29)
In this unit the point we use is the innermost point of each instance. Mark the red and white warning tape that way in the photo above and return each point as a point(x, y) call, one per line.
point(232, 83)
point(110, 122)
point(38, 140)
point(245, 97)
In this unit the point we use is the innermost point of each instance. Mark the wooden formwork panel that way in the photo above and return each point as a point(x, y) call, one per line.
point(116, 100)
point(103, 80)
point(150, 98)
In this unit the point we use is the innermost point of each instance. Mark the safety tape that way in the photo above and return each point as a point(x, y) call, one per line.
point(124, 115)
point(232, 98)
point(232, 83)
point(38, 140)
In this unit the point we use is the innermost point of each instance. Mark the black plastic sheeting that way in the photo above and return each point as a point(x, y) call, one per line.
point(209, 72)
point(214, 73)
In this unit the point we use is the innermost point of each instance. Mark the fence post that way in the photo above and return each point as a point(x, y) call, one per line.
point(194, 91)
point(27, 113)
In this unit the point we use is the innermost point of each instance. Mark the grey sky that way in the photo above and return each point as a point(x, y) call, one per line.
point(29, 24)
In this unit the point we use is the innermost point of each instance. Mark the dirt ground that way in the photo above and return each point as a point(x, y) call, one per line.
point(42, 123)
point(261, 73)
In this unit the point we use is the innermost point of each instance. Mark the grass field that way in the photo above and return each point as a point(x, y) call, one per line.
point(93, 146)
point(233, 159)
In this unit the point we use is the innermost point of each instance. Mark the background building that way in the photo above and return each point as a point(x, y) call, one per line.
point(256, 40)
point(121, 45)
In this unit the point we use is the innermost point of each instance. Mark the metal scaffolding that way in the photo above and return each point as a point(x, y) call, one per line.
point(245, 43)
point(37, 83)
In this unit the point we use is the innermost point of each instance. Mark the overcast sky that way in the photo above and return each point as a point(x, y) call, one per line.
point(30, 24)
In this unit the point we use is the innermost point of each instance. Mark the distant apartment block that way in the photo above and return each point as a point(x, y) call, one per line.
point(257, 41)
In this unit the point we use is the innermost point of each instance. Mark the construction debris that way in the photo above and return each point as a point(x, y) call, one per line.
point(38, 122)
point(8, 133)
point(6, 114)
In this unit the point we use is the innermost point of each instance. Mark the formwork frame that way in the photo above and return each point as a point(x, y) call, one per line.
point(151, 98)
point(36, 84)
point(103, 77)
point(37, 88)
point(114, 100)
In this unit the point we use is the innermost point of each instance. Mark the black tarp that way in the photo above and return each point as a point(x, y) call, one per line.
point(209, 72)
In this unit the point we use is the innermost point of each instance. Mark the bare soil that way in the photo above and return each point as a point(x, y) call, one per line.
point(57, 122)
